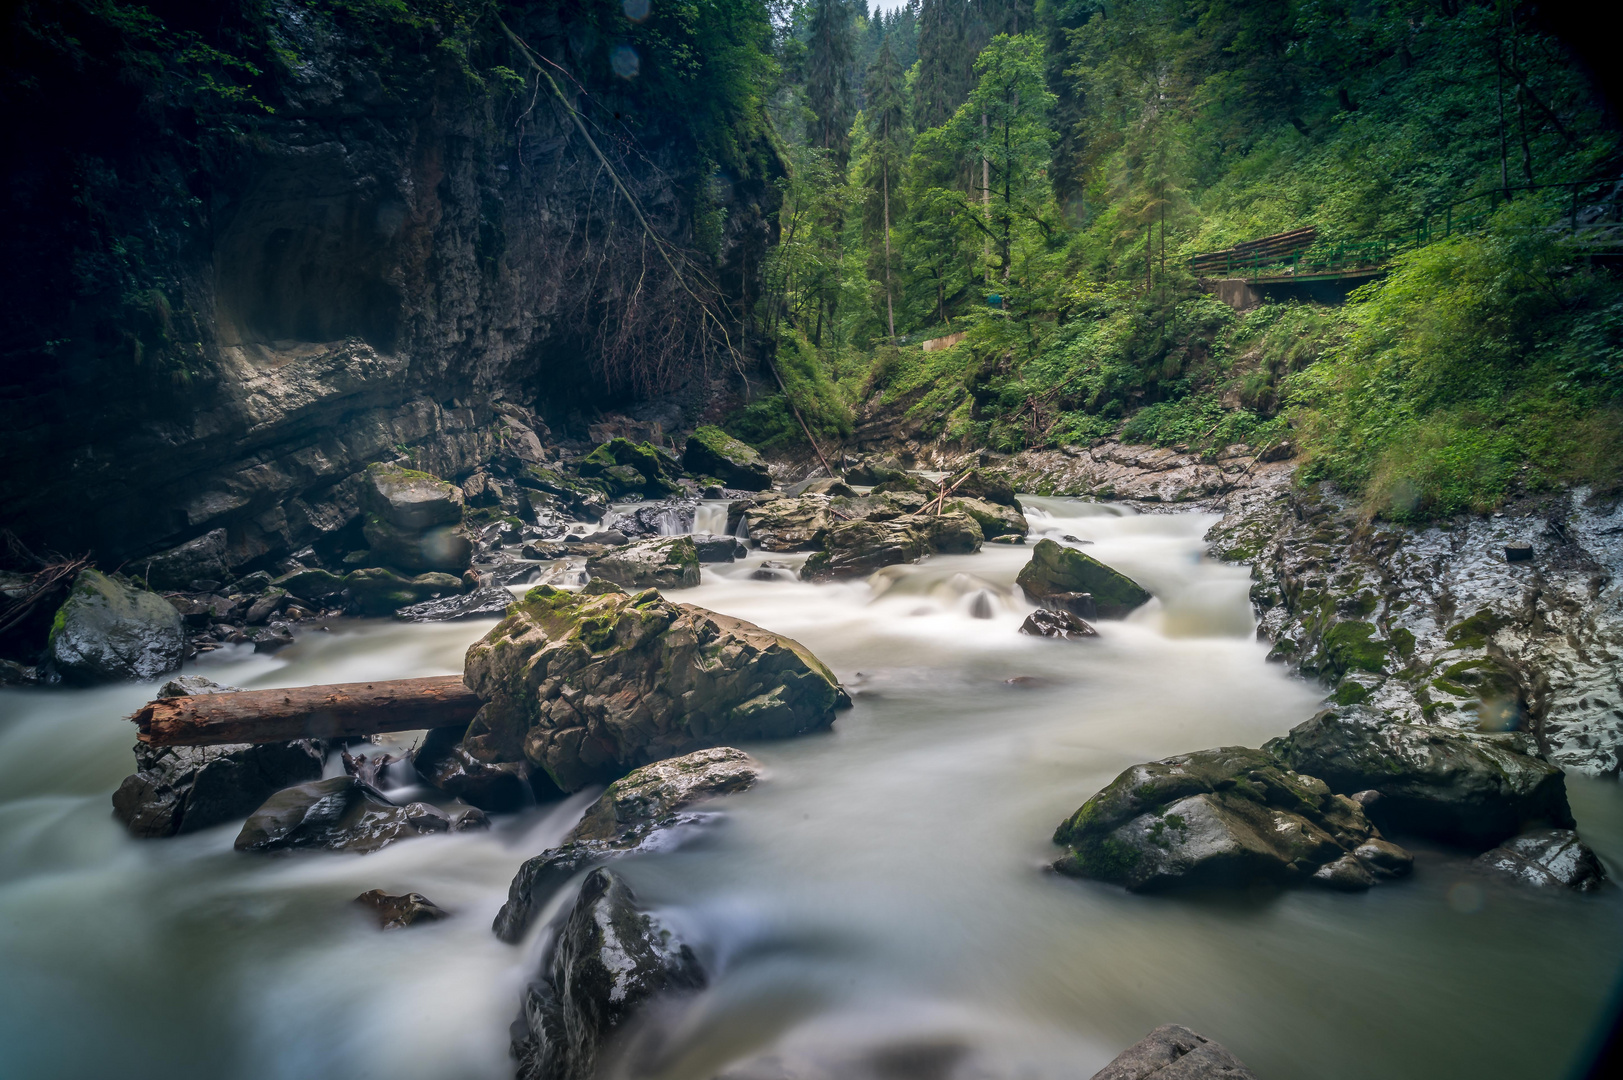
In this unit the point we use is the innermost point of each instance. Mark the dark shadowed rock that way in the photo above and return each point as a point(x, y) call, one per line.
point(1463, 788)
point(633, 809)
point(1057, 624)
point(176, 569)
point(381, 591)
point(343, 814)
point(409, 500)
point(711, 451)
point(498, 787)
point(1173, 1052)
point(609, 960)
point(589, 685)
point(106, 631)
point(398, 912)
point(1057, 569)
point(714, 549)
point(1079, 604)
point(486, 603)
point(1545, 858)
point(181, 789)
point(858, 548)
point(1224, 817)
point(669, 562)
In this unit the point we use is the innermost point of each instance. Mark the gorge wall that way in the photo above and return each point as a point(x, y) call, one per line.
point(223, 305)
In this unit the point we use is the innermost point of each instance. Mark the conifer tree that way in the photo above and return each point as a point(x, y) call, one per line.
point(829, 96)
point(887, 116)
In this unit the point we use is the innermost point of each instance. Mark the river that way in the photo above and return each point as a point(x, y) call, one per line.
point(877, 907)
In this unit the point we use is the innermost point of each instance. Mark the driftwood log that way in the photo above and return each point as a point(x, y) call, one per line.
point(307, 712)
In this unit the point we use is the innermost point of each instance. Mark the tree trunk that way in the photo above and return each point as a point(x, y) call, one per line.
point(890, 308)
point(307, 712)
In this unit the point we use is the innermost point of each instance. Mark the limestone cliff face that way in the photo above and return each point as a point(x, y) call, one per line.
point(224, 331)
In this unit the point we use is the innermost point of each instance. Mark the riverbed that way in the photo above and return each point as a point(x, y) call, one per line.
point(879, 906)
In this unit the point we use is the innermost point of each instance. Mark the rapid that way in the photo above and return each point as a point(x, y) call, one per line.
point(878, 907)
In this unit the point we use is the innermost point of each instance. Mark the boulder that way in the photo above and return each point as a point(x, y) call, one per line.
point(1057, 624)
point(609, 959)
point(579, 496)
point(995, 519)
point(1463, 788)
point(1545, 858)
point(589, 685)
point(272, 601)
point(1223, 817)
point(714, 549)
point(798, 524)
point(989, 488)
point(1057, 569)
point(443, 548)
point(314, 585)
point(1172, 1052)
point(663, 517)
point(379, 591)
point(398, 912)
point(625, 467)
point(410, 501)
point(874, 470)
point(634, 809)
point(343, 814)
point(486, 603)
point(822, 485)
point(499, 787)
point(106, 631)
point(669, 562)
point(858, 548)
point(174, 570)
point(712, 452)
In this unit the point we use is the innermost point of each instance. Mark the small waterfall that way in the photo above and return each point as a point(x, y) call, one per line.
point(710, 518)
point(743, 530)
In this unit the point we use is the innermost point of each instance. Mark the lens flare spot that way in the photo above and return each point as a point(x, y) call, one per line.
point(636, 10)
point(625, 61)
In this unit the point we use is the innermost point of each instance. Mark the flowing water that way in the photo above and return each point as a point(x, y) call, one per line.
point(877, 907)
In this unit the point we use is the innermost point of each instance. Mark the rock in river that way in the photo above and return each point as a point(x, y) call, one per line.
point(1546, 857)
point(1057, 624)
point(343, 814)
point(398, 912)
point(413, 519)
point(1057, 569)
point(712, 452)
point(1173, 1052)
point(610, 958)
point(858, 548)
point(106, 631)
point(592, 684)
point(633, 809)
point(485, 603)
point(1224, 817)
point(1464, 788)
point(669, 562)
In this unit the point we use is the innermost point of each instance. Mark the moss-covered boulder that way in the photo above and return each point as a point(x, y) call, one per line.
point(1055, 569)
point(995, 519)
point(585, 498)
point(712, 452)
point(408, 500)
point(667, 562)
point(311, 584)
point(107, 630)
point(858, 548)
point(626, 467)
point(589, 685)
point(1225, 818)
point(1464, 788)
point(380, 591)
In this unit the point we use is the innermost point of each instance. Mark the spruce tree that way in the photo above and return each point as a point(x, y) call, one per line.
point(887, 117)
point(829, 58)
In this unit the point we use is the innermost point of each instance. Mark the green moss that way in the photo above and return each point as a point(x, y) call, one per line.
point(1473, 633)
point(1350, 693)
point(1349, 646)
point(1106, 859)
point(1402, 642)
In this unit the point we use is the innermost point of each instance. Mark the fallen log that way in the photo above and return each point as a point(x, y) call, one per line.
point(307, 712)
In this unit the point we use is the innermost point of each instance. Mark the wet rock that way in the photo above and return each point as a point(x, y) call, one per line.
point(1468, 789)
point(543, 549)
point(1384, 859)
point(858, 548)
point(874, 470)
point(380, 591)
point(772, 570)
point(601, 538)
point(666, 563)
point(1346, 874)
point(995, 519)
point(398, 912)
point(106, 631)
point(789, 524)
point(15, 674)
point(501, 787)
point(408, 500)
point(444, 548)
point(314, 585)
point(610, 959)
point(635, 808)
point(278, 635)
point(1057, 624)
point(181, 789)
point(264, 607)
point(1057, 569)
point(175, 569)
point(712, 452)
point(715, 549)
point(491, 602)
point(588, 685)
point(1546, 858)
point(200, 609)
point(1079, 604)
point(625, 467)
point(1224, 817)
point(1173, 1052)
point(667, 517)
point(343, 814)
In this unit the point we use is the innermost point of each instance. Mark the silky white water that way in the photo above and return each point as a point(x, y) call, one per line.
point(877, 906)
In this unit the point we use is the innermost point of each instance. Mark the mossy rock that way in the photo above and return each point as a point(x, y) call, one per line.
point(628, 467)
point(711, 452)
point(1351, 646)
point(106, 631)
point(311, 584)
point(444, 548)
point(1057, 569)
point(409, 500)
point(669, 562)
point(381, 591)
point(1475, 632)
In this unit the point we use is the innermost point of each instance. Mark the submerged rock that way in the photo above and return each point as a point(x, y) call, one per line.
point(398, 912)
point(1057, 624)
point(1057, 569)
point(858, 548)
point(1223, 817)
point(1173, 1052)
point(479, 604)
point(633, 809)
point(343, 814)
point(1469, 789)
point(610, 958)
point(670, 562)
point(711, 451)
point(589, 685)
point(106, 631)
point(1546, 858)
